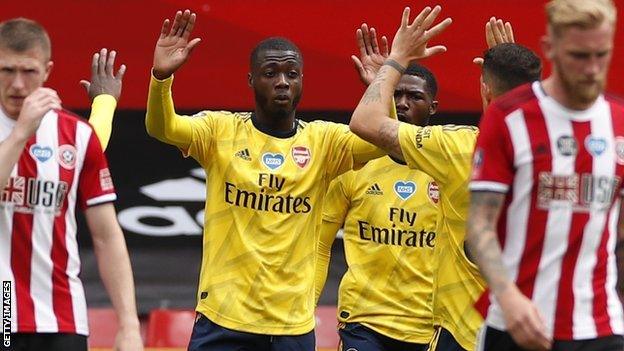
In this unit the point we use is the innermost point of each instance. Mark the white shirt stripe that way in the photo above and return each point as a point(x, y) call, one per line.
point(41, 260)
point(558, 224)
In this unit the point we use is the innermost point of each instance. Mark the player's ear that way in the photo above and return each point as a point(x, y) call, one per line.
point(547, 45)
point(48, 70)
point(433, 108)
point(249, 79)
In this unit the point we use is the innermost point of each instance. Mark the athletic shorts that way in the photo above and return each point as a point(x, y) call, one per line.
point(208, 336)
point(46, 341)
point(356, 337)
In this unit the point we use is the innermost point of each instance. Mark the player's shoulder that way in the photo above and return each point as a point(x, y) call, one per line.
point(515, 98)
point(323, 127)
point(222, 114)
point(322, 124)
point(615, 101)
point(69, 118)
point(453, 130)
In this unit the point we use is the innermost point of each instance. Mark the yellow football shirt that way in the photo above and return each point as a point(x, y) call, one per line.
point(389, 212)
point(445, 153)
point(264, 197)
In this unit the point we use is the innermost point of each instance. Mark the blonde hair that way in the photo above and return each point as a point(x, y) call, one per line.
point(22, 34)
point(585, 14)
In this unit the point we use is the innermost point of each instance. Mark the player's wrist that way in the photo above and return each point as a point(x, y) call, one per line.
point(401, 60)
point(20, 135)
point(129, 323)
point(161, 75)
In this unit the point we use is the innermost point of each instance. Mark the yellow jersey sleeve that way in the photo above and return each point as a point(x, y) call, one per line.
point(161, 120)
point(347, 151)
point(335, 208)
point(437, 150)
point(101, 118)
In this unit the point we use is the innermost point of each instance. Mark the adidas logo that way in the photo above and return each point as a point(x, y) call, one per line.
point(374, 190)
point(244, 154)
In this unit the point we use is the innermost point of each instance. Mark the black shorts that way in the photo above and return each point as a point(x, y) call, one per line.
point(495, 340)
point(46, 341)
point(354, 336)
point(443, 340)
point(209, 336)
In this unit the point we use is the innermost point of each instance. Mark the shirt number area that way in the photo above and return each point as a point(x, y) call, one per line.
point(583, 192)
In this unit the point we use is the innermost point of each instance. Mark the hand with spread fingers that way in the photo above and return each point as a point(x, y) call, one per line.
point(103, 77)
point(173, 47)
point(410, 41)
point(372, 56)
point(496, 32)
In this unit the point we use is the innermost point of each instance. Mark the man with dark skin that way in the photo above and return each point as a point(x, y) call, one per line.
point(384, 299)
point(445, 153)
point(268, 173)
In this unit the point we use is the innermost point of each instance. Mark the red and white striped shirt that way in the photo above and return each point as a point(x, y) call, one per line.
point(561, 170)
point(61, 166)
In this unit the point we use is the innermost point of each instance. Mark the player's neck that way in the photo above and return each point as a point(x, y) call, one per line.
point(274, 124)
point(554, 87)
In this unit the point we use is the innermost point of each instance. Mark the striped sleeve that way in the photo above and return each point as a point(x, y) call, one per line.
point(492, 163)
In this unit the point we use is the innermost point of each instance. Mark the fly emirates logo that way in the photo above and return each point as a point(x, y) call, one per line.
point(269, 198)
point(402, 235)
point(174, 207)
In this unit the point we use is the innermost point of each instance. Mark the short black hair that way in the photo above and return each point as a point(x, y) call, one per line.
point(273, 43)
point(22, 34)
point(509, 65)
point(423, 72)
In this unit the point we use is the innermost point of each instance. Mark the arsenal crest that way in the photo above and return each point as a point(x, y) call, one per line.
point(301, 155)
point(434, 192)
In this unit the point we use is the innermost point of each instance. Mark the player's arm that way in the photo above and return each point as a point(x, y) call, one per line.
point(173, 49)
point(335, 208)
point(35, 106)
point(522, 318)
point(323, 256)
point(114, 266)
point(370, 120)
point(104, 91)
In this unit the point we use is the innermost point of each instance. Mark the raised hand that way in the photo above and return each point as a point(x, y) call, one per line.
point(103, 77)
point(173, 47)
point(410, 41)
point(372, 56)
point(496, 32)
point(35, 106)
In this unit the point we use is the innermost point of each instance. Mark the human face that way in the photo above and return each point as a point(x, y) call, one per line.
point(581, 59)
point(414, 105)
point(277, 82)
point(20, 74)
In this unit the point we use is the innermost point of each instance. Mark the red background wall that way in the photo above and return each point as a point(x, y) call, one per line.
point(215, 77)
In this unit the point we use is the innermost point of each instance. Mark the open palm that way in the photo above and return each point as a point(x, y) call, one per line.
point(372, 56)
point(173, 47)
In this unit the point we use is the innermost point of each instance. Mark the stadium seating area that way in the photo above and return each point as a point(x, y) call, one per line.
point(168, 329)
